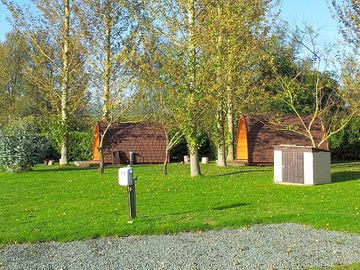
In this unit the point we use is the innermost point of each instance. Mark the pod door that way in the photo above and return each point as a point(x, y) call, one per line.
point(241, 142)
point(96, 144)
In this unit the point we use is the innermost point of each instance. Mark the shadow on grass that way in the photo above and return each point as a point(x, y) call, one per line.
point(231, 206)
point(219, 208)
point(338, 177)
point(238, 172)
point(349, 163)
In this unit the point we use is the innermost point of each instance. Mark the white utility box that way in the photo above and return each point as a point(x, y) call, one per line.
point(301, 165)
point(205, 160)
point(126, 176)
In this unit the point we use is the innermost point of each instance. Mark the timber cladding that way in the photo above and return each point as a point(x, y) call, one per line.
point(147, 141)
point(256, 138)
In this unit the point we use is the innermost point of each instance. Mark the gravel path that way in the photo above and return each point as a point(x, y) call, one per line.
point(283, 246)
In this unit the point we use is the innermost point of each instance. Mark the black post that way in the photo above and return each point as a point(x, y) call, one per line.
point(132, 201)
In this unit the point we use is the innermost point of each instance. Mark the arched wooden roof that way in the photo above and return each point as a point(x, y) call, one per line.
point(146, 140)
point(258, 136)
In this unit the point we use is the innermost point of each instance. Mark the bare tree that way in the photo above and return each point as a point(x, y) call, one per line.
point(331, 106)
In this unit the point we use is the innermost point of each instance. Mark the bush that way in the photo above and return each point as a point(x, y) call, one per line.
point(80, 145)
point(346, 144)
point(21, 147)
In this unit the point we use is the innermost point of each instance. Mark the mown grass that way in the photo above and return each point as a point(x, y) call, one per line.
point(62, 204)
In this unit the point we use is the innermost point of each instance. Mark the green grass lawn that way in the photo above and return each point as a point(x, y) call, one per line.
point(53, 203)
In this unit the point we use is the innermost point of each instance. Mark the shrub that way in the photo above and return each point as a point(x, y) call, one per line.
point(21, 147)
point(346, 144)
point(80, 145)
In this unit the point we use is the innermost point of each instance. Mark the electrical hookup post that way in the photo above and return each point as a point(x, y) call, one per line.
point(126, 178)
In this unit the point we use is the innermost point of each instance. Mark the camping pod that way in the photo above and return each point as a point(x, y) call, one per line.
point(147, 142)
point(256, 138)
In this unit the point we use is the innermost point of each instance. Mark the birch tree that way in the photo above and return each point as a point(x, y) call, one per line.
point(175, 24)
point(108, 28)
point(233, 44)
point(53, 20)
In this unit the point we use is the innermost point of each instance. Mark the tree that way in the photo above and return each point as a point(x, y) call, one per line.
point(156, 106)
point(49, 26)
point(350, 77)
point(348, 14)
point(175, 26)
point(346, 144)
point(233, 46)
point(108, 30)
point(15, 89)
point(330, 105)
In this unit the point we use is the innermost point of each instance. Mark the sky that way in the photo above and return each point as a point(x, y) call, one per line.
point(296, 12)
point(312, 12)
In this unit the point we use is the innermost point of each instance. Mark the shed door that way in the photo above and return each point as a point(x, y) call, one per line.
point(293, 167)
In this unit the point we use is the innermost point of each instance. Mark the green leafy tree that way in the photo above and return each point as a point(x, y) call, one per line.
point(176, 30)
point(15, 89)
point(346, 144)
point(348, 14)
point(107, 28)
point(51, 30)
point(232, 44)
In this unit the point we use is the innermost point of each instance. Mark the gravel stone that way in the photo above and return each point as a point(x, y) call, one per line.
point(281, 246)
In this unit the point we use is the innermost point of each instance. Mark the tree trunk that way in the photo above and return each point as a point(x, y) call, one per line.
point(101, 165)
point(194, 163)
point(108, 62)
point(167, 152)
point(221, 140)
point(65, 83)
point(191, 45)
point(191, 130)
point(230, 122)
point(221, 154)
point(64, 150)
point(220, 117)
point(166, 161)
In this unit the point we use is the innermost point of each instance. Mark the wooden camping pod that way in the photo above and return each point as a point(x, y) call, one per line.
point(256, 138)
point(147, 141)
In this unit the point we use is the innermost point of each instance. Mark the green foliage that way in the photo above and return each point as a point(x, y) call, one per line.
point(21, 147)
point(296, 68)
point(64, 204)
point(80, 145)
point(181, 148)
point(54, 130)
point(16, 93)
point(346, 144)
point(348, 14)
